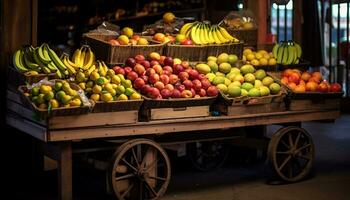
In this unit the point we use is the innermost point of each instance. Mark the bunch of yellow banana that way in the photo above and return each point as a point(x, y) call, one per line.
point(82, 61)
point(204, 33)
point(287, 53)
point(41, 59)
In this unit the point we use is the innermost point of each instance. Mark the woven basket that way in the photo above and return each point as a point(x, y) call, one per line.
point(17, 78)
point(201, 52)
point(115, 106)
point(249, 37)
point(118, 54)
point(177, 103)
point(228, 101)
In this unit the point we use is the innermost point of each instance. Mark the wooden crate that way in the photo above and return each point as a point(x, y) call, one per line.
point(313, 104)
point(118, 54)
point(174, 113)
point(16, 78)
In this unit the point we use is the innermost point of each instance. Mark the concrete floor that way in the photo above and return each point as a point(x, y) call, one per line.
point(236, 180)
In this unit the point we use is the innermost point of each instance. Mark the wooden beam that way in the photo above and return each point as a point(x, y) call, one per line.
point(260, 10)
point(65, 191)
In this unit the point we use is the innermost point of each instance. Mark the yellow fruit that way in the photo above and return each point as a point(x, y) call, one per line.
point(266, 56)
point(114, 86)
point(32, 73)
point(106, 97)
point(26, 94)
point(75, 102)
point(95, 97)
point(94, 76)
point(250, 56)
point(66, 99)
point(96, 89)
point(54, 103)
point(110, 72)
point(66, 105)
point(82, 85)
point(263, 52)
point(258, 56)
point(272, 61)
point(135, 95)
point(89, 84)
point(255, 62)
point(43, 106)
point(122, 97)
point(168, 17)
point(263, 61)
point(44, 89)
point(247, 51)
point(128, 32)
point(244, 59)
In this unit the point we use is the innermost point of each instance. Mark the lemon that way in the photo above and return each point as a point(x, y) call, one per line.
point(121, 76)
point(72, 92)
point(244, 59)
point(263, 61)
point(44, 89)
point(250, 56)
point(82, 86)
point(96, 89)
point(258, 56)
point(122, 97)
point(272, 61)
point(106, 97)
point(95, 97)
point(110, 72)
point(80, 77)
point(43, 106)
point(66, 99)
point(89, 84)
point(135, 95)
point(75, 102)
point(263, 52)
point(54, 103)
point(50, 95)
point(94, 76)
point(114, 86)
point(115, 79)
point(266, 56)
point(247, 51)
point(255, 62)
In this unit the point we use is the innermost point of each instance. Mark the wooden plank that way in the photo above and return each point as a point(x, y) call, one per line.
point(328, 104)
point(93, 119)
point(65, 172)
point(24, 112)
point(176, 113)
point(193, 124)
point(252, 109)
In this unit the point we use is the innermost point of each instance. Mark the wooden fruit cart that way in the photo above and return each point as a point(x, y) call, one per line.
point(140, 167)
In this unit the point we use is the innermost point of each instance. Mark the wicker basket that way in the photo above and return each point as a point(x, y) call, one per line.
point(115, 106)
point(249, 36)
point(201, 52)
point(17, 78)
point(118, 54)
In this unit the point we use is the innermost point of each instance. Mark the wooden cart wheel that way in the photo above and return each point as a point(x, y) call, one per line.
point(140, 169)
point(206, 156)
point(291, 153)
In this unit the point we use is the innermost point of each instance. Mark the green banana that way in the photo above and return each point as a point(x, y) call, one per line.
point(43, 56)
point(28, 60)
point(275, 49)
point(39, 61)
point(291, 55)
point(17, 61)
point(280, 52)
point(56, 60)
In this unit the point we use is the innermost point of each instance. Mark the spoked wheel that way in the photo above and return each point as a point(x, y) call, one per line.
point(291, 153)
point(140, 170)
point(206, 156)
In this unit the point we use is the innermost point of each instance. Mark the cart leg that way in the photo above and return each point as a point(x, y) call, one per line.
point(65, 172)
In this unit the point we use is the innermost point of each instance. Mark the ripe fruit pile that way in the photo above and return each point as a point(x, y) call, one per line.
point(204, 33)
point(287, 53)
point(160, 77)
point(301, 82)
point(163, 38)
point(217, 65)
point(39, 60)
point(49, 97)
point(235, 82)
point(259, 58)
point(128, 37)
point(83, 60)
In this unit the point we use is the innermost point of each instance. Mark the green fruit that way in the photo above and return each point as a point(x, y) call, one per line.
point(213, 66)
point(267, 81)
point(66, 87)
point(35, 91)
point(258, 84)
point(236, 83)
point(218, 80)
point(220, 74)
point(49, 95)
point(66, 99)
point(234, 91)
point(247, 86)
point(121, 76)
point(212, 58)
point(129, 92)
point(245, 69)
point(232, 59)
point(106, 97)
point(122, 97)
point(275, 88)
point(225, 68)
point(230, 76)
point(60, 94)
point(210, 76)
point(115, 79)
point(72, 92)
point(254, 92)
point(222, 58)
point(244, 92)
point(264, 91)
point(250, 78)
point(203, 68)
point(235, 70)
point(260, 74)
point(100, 81)
point(80, 77)
point(120, 89)
point(127, 83)
point(227, 81)
point(222, 87)
point(41, 98)
point(58, 86)
point(35, 99)
point(89, 84)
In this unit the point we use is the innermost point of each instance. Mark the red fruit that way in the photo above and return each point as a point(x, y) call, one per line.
point(159, 85)
point(164, 78)
point(187, 42)
point(118, 70)
point(193, 92)
point(139, 69)
point(153, 93)
point(150, 71)
point(176, 93)
point(184, 76)
point(161, 60)
point(169, 87)
point(180, 87)
point(130, 62)
point(139, 83)
point(185, 64)
point(306, 76)
point(146, 89)
point(158, 68)
point(146, 64)
point(178, 68)
point(323, 87)
point(145, 78)
point(166, 93)
point(205, 83)
point(188, 84)
point(186, 94)
point(153, 78)
point(166, 72)
point(173, 79)
point(212, 91)
point(294, 78)
point(170, 69)
point(127, 70)
point(113, 42)
point(201, 76)
point(197, 84)
point(287, 72)
point(335, 87)
point(202, 92)
point(193, 74)
point(136, 37)
point(154, 62)
point(139, 58)
point(168, 61)
point(132, 76)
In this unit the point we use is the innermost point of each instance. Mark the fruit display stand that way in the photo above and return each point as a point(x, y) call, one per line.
point(18, 78)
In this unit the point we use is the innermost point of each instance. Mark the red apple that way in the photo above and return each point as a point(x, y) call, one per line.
point(150, 71)
point(188, 70)
point(193, 92)
point(323, 87)
point(205, 83)
point(146, 89)
point(154, 62)
point(180, 87)
point(170, 69)
point(158, 69)
point(193, 74)
point(186, 94)
point(127, 70)
point(197, 84)
point(201, 76)
point(188, 84)
point(146, 64)
point(145, 78)
point(185, 64)
point(335, 87)
point(114, 42)
point(176, 93)
point(166, 72)
point(166, 93)
point(212, 91)
point(184, 76)
point(169, 87)
point(153, 78)
point(130, 62)
point(294, 78)
point(168, 61)
point(136, 37)
point(139, 83)
point(139, 69)
point(159, 85)
point(202, 92)
point(118, 70)
point(187, 42)
point(161, 60)
point(153, 93)
point(178, 68)
point(164, 78)
point(173, 79)
point(132, 76)
point(139, 58)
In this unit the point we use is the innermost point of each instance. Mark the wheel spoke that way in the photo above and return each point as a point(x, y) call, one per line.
point(151, 189)
point(303, 147)
point(297, 140)
point(135, 157)
point(127, 190)
point(128, 164)
point(284, 143)
point(157, 178)
point(285, 162)
point(304, 157)
point(152, 165)
point(124, 177)
point(290, 139)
